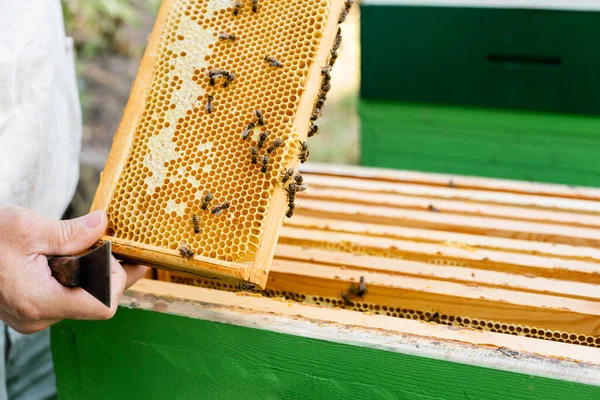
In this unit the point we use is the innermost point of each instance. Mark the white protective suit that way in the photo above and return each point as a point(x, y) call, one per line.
point(40, 139)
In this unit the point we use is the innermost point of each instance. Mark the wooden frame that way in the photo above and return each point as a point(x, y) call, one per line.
point(256, 270)
point(509, 253)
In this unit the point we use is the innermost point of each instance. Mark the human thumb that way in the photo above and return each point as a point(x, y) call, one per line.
point(69, 237)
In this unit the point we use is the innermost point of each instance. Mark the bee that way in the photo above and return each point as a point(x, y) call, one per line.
point(230, 77)
point(206, 201)
point(185, 252)
point(287, 174)
point(338, 40)
point(265, 163)
point(362, 287)
point(508, 352)
point(273, 62)
point(219, 209)
point(326, 80)
point(320, 102)
point(315, 115)
point(254, 6)
point(290, 211)
point(304, 152)
point(246, 286)
point(314, 129)
point(451, 184)
point(227, 36)
point(277, 143)
point(237, 7)
point(333, 57)
point(326, 70)
point(209, 104)
point(345, 11)
point(433, 208)
point(347, 301)
point(216, 73)
point(325, 89)
point(259, 117)
point(298, 179)
point(291, 192)
point(247, 131)
point(435, 317)
point(261, 139)
point(196, 223)
point(254, 153)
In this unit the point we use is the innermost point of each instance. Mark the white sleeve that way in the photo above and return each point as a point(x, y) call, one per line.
point(40, 117)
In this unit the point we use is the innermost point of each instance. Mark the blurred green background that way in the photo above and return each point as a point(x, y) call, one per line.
point(110, 37)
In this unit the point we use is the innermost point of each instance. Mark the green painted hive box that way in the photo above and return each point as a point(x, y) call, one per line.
point(500, 92)
point(172, 341)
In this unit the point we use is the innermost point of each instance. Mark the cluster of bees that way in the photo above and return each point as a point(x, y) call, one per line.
point(260, 143)
point(354, 291)
point(216, 210)
point(294, 186)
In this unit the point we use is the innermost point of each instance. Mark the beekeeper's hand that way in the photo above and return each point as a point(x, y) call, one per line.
point(30, 298)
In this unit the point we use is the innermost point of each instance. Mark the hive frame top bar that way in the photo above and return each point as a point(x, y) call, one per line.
point(460, 181)
point(255, 270)
point(579, 5)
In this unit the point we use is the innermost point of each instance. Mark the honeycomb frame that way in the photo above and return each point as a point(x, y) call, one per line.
point(128, 225)
point(426, 315)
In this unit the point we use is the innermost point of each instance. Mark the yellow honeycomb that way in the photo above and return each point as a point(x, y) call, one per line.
point(181, 152)
point(397, 312)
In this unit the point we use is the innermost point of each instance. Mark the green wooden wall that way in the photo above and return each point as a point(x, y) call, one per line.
point(502, 58)
point(496, 143)
point(435, 79)
point(148, 355)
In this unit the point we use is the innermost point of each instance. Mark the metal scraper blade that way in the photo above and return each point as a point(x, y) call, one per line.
point(95, 272)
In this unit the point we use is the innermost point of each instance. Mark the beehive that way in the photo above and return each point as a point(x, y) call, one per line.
point(472, 253)
point(170, 151)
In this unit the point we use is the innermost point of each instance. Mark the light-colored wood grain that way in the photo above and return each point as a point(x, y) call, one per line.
point(454, 239)
point(452, 223)
point(446, 255)
point(468, 276)
point(466, 195)
point(459, 181)
point(453, 207)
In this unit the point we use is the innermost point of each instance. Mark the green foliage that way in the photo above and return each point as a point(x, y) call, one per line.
point(96, 24)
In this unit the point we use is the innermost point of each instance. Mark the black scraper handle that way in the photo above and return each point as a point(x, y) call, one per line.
point(66, 270)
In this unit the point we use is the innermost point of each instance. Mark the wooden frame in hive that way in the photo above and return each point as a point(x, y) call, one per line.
point(155, 175)
point(510, 257)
